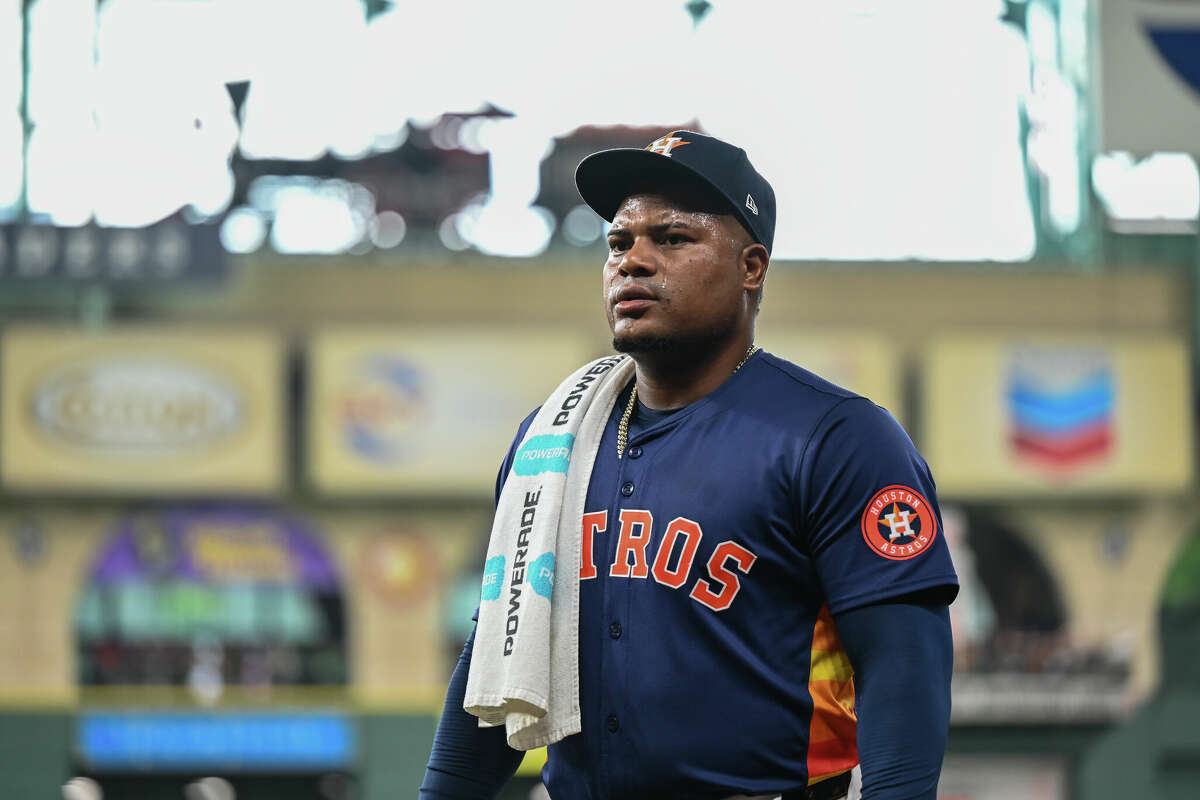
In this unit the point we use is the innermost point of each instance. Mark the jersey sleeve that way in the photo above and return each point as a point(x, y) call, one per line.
point(867, 507)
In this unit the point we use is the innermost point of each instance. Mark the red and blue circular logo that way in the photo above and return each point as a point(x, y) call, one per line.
point(899, 523)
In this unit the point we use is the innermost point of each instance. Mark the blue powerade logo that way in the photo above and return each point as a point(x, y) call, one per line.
point(547, 453)
point(541, 575)
point(493, 576)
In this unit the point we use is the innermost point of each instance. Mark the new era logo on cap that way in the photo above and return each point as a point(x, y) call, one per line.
point(750, 204)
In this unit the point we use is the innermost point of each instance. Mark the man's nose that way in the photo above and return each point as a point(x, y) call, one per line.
point(641, 258)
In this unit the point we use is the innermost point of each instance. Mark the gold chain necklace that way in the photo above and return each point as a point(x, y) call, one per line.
point(623, 425)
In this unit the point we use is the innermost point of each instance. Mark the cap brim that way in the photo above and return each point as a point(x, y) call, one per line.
point(606, 178)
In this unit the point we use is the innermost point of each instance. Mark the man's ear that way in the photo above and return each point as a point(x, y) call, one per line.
point(754, 262)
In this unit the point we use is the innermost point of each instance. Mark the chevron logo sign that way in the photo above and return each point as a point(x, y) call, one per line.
point(1061, 408)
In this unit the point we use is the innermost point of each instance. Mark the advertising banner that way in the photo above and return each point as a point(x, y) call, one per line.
point(146, 410)
point(212, 596)
point(404, 410)
point(864, 363)
point(1054, 415)
point(215, 545)
point(135, 740)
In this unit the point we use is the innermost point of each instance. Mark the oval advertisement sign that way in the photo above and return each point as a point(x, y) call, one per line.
point(142, 406)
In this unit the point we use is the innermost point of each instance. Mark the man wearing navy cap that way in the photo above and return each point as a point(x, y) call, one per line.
point(763, 583)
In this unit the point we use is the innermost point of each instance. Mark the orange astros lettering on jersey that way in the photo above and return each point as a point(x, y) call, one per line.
point(898, 523)
point(631, 544)
point(678, 546)
point(593, 523)
point(832, 738)
point(730, 585)
point(691, 533)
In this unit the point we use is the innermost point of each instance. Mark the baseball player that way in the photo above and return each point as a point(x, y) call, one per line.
point(763, 585)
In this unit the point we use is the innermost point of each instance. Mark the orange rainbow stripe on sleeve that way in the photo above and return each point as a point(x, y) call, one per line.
point(832, 744)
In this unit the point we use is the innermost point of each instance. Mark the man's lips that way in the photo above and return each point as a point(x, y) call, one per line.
point(630, 306)
point(633, 298)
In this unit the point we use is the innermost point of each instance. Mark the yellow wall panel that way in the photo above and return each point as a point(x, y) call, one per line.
point(432, 410)
point(1041, 415)
point(150, 410)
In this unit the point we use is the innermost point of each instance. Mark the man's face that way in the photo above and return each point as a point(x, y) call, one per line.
point(673, 279)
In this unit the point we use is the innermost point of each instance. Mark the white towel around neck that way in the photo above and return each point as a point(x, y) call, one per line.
point(525, 665)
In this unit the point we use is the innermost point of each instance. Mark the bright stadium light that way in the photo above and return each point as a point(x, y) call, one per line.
point(889, 131)
point(897, 135)
point(322, 217)
point(581, 226)
point(508, 224)
point(387, 230)
point(307, 93)
point(243, 230)
point(1159, 194)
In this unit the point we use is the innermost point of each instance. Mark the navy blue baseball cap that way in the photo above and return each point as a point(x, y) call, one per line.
point(606, 178)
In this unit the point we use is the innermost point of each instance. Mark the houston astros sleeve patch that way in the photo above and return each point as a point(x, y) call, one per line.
point(899, 523)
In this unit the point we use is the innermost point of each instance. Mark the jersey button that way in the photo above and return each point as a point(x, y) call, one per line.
point(612, 724)
point(635, 451)
point(627, 488)
point(614, 630)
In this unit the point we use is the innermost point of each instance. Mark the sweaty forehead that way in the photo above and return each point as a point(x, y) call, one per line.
point(657, 209)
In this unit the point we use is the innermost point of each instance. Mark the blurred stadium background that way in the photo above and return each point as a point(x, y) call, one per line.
point(266, 270)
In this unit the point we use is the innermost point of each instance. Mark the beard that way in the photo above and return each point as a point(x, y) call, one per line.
point(685, 345)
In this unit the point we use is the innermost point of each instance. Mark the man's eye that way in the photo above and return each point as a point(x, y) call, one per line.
point(675, 238)
point(616, 245)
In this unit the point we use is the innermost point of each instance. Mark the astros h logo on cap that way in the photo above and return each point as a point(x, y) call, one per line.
point(664, 145)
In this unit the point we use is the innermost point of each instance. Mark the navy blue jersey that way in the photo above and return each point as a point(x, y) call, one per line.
point(715, 553)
